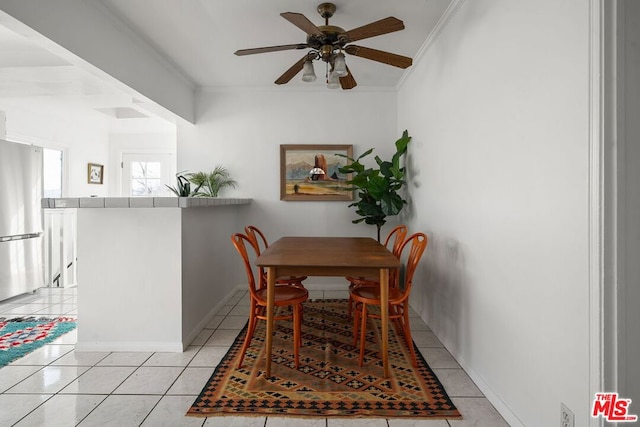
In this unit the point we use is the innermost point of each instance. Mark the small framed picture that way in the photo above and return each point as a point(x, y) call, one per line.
point(95, 173)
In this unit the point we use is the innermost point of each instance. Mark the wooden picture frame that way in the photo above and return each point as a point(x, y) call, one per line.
point(95, 173)
point(299, 183)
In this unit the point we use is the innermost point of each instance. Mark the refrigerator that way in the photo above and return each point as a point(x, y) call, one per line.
point(21, 235)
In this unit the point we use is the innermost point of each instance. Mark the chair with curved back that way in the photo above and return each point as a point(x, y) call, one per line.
point(396, 235)
point(364, 296)
point(285, 295)
point(260, 242)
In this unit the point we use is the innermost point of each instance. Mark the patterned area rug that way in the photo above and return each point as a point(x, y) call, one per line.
point(328, 382)
point(21, 336)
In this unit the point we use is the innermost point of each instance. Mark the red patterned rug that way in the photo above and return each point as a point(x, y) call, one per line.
point(328, 382)
point(22, 335)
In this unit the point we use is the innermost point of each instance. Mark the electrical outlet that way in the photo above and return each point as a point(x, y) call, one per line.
point(566, 417)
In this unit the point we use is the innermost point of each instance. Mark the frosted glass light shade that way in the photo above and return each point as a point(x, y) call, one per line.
point(308, 74)
point(333, 81)
point(340, 66)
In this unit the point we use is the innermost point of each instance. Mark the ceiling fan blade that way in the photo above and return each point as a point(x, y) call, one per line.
point(291, 72)
point(302, 22)
point(242, 52)
point(348, 82)
point(383, 26)
point(379, 56)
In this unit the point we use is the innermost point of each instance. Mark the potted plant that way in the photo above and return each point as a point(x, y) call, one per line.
point(378, 188)
point(210, 183)
point(183, 185)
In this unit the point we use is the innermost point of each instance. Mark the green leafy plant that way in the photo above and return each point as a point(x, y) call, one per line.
point(378, 188)
point(210, 183)
point(183, 186)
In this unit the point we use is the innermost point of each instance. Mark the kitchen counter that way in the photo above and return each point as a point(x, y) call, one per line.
point(152, 272)
point(139, 202)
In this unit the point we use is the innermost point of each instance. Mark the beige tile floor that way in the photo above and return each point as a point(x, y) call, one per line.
point(55, 386)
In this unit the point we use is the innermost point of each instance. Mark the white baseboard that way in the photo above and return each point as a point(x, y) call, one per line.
point(161, 347)
point(205, 321)
point(488, 392)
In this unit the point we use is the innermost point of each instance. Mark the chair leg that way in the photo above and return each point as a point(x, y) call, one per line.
point(297, 324)
point(350, 307)
point(363, 332)
point(250, 330)
point(356, 325)
point(397, 322)
point(300, 316)
point(407, 333)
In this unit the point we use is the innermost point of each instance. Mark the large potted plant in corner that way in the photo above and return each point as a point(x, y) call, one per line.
point(378, 188)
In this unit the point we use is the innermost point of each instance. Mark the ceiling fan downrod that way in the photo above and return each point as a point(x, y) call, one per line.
point(326, 10)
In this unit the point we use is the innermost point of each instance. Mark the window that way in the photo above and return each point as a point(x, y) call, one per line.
point(145, 178)
point(146, 174)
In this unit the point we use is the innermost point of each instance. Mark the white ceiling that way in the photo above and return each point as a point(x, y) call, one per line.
point(34, 79)
point(198, 38)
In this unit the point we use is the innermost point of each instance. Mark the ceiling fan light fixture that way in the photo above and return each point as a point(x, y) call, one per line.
point(340, 65)
point(308, 74)
point(333, 81)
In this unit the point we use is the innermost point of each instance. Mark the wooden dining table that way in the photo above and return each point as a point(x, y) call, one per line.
point(328, 256)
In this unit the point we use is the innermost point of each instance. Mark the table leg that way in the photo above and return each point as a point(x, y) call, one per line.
point(271, 284)
point(384, 312)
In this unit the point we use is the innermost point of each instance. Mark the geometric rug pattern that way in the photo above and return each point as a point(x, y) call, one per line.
point(328, 381)
point(21, 336)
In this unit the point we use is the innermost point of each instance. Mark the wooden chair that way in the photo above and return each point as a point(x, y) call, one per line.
point(364, 296)
point(260, 242)
point(396, 235)
point(285, 295)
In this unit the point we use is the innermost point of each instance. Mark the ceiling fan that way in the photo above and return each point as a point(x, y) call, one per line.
point(329, 42)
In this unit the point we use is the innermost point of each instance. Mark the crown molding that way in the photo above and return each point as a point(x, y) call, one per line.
point(440, 26)
point(294, 89)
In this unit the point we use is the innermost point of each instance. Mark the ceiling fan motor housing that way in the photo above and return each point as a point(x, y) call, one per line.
point(334, 38)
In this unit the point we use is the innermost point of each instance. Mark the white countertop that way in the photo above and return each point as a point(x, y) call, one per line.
point(140, 202)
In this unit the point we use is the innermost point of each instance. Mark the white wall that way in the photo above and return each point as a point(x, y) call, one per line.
point(498, 108)
point(113, 245)
point(150, 142)
point(207, 253)
point(243, 130)
point(3, 125)
point(82, 141)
